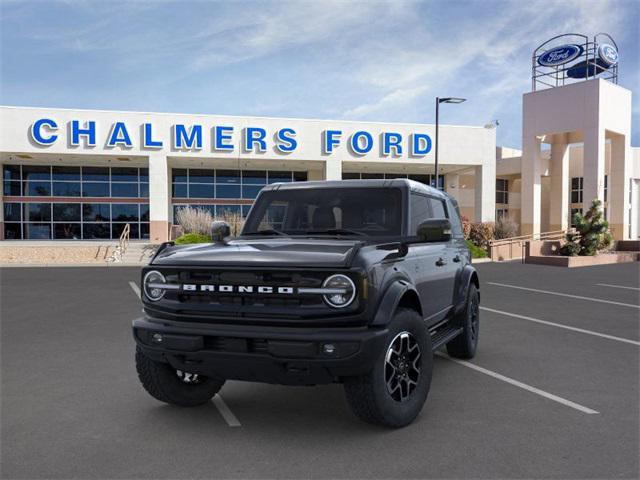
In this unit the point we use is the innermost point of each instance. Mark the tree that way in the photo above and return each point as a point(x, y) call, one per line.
point(591, 235)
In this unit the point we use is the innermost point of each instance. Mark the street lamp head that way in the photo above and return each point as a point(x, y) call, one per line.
point(451, 100)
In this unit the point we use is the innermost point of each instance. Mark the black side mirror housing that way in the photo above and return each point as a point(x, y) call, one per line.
point(220, 231)
point(435, 230)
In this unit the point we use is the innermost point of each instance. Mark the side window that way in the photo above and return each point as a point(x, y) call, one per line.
point(454, 217)
point(438, 208)
point(420, 211)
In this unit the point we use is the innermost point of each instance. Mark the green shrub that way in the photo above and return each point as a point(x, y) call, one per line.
point(591, 235)
point(476, 251)
point(188, 238)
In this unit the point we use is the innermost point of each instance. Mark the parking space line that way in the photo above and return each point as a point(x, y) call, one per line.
point(617, 286)
point(579, 297)
point(226, 413)
point(566, 327)
point(135, 288)
point(524, 386)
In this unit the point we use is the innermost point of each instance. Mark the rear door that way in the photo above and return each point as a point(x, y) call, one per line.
point(428, 263)
point(448, 263)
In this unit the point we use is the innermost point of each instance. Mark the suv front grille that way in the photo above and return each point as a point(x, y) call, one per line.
point(203, 306)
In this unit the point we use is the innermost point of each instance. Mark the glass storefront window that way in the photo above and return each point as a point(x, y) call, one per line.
point(36, 172)
point(12, 188)
point(124, 212)
point(69, 231)
point(12, 212)
point(128, 174)
point(96, 212)
point(228, 176)
point(66, 173)
point(66, 189)
point(124, 189)
point(95, 174)
point(197, 190)
point(37, 189)
point(37, 231)
point(228, 191)
point(66, 212)
point(95, 189)
point(37, 212)
point(96, 231)
point(11, 172)
point(254, 177)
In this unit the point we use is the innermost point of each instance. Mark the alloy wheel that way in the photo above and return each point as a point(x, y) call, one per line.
point(402, 366)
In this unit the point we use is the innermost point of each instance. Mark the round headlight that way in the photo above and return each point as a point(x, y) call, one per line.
point(153, 280)
point(342, 290)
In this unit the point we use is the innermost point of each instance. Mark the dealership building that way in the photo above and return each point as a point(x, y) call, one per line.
point(85, 174)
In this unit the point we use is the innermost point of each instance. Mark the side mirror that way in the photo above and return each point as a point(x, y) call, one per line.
point(435, 230)
point(220, 231)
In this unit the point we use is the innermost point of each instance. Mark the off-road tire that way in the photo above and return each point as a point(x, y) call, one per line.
point(163, 383)
point(465, 344)
point(368, 395)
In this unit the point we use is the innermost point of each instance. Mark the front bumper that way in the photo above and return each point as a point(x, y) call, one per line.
point(282, 355)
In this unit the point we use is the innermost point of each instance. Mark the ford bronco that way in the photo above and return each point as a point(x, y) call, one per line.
point(355, 281)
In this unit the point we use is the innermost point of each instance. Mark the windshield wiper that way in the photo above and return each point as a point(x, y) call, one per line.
point(266, 231)
point(334, 231)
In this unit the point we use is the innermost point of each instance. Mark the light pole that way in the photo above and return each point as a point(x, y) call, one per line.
point(438, 102)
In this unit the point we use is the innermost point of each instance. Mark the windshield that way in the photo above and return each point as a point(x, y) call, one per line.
point(327, 211)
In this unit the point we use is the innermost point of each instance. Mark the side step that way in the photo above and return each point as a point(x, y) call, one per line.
point(442, 336)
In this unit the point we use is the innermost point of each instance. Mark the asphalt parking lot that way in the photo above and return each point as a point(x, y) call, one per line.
point(552, 393)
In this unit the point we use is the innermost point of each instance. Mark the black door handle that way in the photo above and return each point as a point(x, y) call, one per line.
point(456, 258)
point(441, 262)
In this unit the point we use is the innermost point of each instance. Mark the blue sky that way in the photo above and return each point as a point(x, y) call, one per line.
point(368, 60)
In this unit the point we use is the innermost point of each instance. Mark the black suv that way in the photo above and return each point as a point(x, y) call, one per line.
point(356, 282)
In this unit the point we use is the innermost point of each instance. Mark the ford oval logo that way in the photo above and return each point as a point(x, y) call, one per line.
point(560, 55)
point(608, 54)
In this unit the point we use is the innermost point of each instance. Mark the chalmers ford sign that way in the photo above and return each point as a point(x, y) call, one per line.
point(46, 132)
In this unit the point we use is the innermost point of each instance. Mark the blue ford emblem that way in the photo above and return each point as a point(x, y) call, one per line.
point(608, 54)
point(560, 55)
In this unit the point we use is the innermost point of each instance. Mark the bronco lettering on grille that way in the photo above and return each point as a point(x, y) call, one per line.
point(262, 289)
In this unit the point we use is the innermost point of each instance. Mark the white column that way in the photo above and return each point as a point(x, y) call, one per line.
point(159, 197)
point(531, 186)
point(333, 169)
point(593, 167)
point(618, 188)
point(559, 205)
point(485, 192)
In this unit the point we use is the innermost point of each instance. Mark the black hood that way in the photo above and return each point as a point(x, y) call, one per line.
point(272, 252)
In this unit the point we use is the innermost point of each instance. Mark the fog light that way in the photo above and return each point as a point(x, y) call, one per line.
point(156, 338)
point(329, 348)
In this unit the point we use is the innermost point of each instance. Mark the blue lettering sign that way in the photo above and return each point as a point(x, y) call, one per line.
point(357, 146)
point(186, 139)
point(253, 136)
point(330, 140)
point(222, 137)
point(391, 140)
point(37, 134)
point(119, 136)
point(89, 131)
point(420, 144)
point(286, 140)
point(147, 137)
